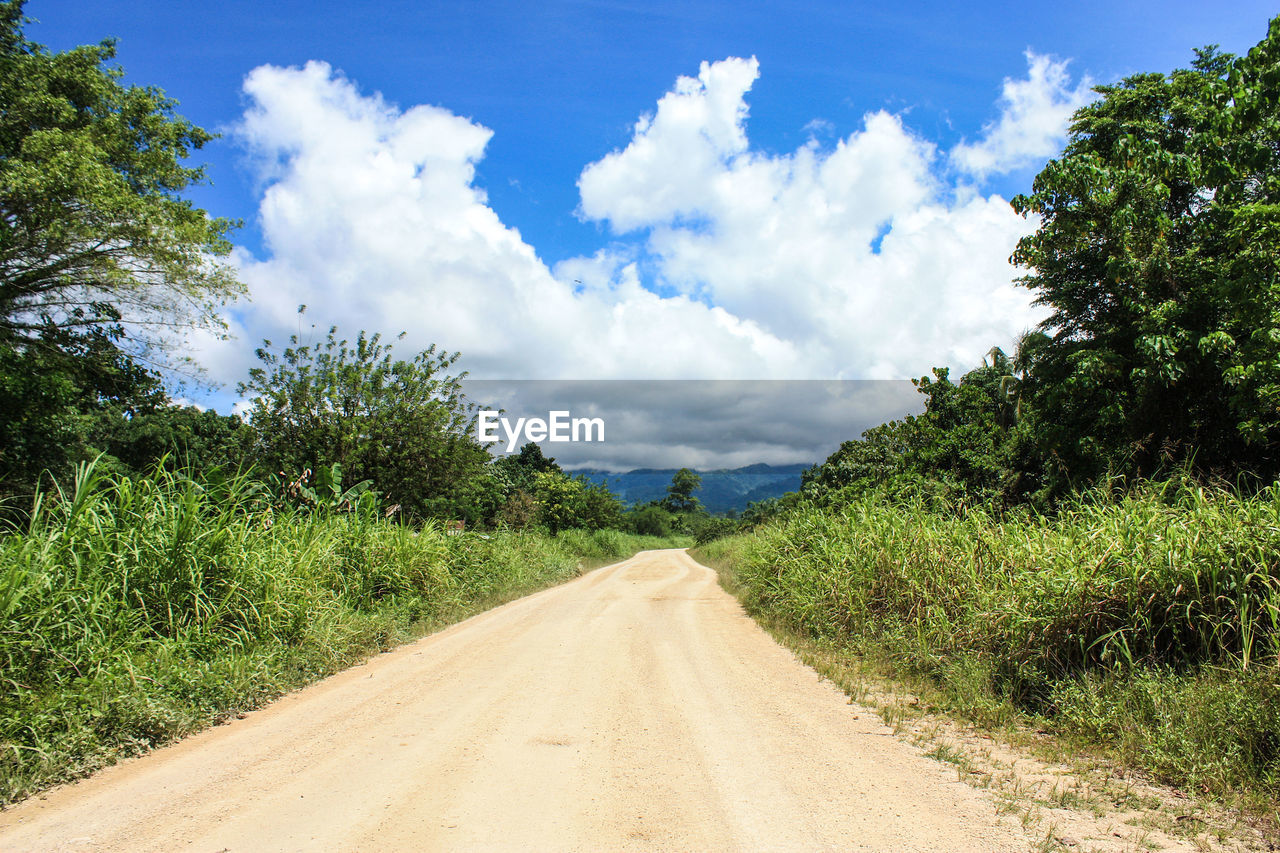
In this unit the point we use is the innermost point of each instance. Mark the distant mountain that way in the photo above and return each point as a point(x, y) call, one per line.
point(722, 490)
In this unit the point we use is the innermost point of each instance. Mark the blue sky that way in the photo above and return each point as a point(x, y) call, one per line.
point(740, 233)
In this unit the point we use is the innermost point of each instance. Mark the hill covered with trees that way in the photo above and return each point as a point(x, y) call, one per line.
point(723, 490)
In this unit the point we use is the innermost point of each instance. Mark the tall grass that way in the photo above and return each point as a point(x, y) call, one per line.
point(134, 611)
point(1148, 622)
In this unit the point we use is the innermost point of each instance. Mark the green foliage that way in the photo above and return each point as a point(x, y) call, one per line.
point(599, 547)
point(680, 493)
point(137, 610)
point(559, 500)
point(39, 420)
point(600, 510)
point(679, 512)
point(186, 438)
point(519, 511)
point(859, 465)
point(963, 439)
point(93, 225)
point(567, 502)
point(404, 425)
point(1212, 729)
point(965, 445)
point(1157, 256)
point(328, 493)
point(650, 520)
point(57, 394)
point(535, 490)
point(760, 512)
point(518, 470)
point(706, 528)
point(95, 239)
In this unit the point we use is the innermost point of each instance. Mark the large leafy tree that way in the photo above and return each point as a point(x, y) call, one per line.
point(679, 497)
point(518, 470)
point(101, 259)
point(862, 464)
point(1159, 258)
point(963, 435)
point(402, 423)
point(537, 486)
point(962, 445)
point(93, 228)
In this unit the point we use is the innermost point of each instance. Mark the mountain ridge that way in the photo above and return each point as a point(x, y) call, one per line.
point(723, 489)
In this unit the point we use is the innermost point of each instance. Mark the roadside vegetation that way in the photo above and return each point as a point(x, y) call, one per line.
point(1084, 536)
point(1144, 622)
point(163, 567)
point(134, 611)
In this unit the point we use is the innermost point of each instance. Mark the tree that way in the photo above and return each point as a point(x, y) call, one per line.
point(705, 528)
point(93, 230)
point(100, 257)
point(650, 520)
point(601, 509)
point(405, 425)
point(965, 429)
point(559, 500)
point(565, 502)
point(680, 493)
point(960, 446)
point(862, 464)
point(519, 511)
point(520, 468)
point(56, 399)
point(1159, 258)
point(188, 439)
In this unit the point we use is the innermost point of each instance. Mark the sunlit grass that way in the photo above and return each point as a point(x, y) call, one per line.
point(136, 610)
point(1146, 622)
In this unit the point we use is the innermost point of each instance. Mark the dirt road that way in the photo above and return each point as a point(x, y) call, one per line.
point(635, 708)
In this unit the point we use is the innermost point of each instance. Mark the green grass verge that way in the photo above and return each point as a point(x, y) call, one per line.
point(1143, 626)
point(137, 611)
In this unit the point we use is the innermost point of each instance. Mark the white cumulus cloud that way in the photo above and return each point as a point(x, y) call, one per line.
point(370, 217)
point(672, 162)
point(861, 254)
point(860, 259)
point(1034, 115)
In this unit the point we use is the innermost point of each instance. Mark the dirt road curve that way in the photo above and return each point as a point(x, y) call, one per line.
point(635, 708)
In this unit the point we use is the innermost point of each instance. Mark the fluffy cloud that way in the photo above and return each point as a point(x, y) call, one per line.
point(371, 218)
point(1033, 119)
point(861, 255)
point(671, 166)
point(857, 260)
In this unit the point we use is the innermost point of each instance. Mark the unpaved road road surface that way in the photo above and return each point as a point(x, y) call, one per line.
point(635, 708)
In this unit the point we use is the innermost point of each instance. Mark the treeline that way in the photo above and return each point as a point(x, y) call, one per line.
point(330, 424)
point(1158, 259)
point(1080, 535)
point(104, 266)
